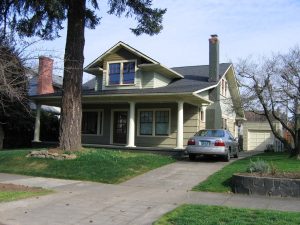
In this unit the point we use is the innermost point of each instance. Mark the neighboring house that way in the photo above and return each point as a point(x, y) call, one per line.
point(257, 133)
point(38, 83)
point(137, 102)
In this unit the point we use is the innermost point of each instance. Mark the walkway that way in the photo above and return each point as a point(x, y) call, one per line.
point(139, 201)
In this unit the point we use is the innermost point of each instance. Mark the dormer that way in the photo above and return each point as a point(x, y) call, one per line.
point(123, 67)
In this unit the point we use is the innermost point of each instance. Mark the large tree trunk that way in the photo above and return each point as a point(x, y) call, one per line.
point(70, 123)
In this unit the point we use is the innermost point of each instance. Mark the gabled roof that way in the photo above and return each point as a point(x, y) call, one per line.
point(115, 48)
point(153, 64)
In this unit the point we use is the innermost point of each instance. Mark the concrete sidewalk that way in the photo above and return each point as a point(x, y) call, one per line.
point(139, 201)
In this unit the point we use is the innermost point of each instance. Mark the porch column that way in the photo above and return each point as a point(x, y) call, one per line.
point(131, 134)
point(180, 126)
point(37, 124)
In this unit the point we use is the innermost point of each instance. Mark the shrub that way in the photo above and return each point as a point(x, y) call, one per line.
point(258, 166)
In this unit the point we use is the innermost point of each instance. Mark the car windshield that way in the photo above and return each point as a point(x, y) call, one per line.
point(211, 133)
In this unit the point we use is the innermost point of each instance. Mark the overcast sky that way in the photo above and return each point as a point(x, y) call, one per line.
point(244, 27)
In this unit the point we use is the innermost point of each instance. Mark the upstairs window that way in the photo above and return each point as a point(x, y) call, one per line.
point(121, 73)
point(114, 73)
point(128, 72)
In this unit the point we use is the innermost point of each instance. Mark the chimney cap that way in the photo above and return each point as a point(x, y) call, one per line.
point(214, 35)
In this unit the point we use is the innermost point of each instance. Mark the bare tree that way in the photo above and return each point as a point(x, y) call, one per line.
point(13, 87)
point(271, 86)
point(13, 78)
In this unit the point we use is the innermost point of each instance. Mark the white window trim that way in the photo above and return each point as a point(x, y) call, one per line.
point(99, 129)
point(121, 73)
point(153, 110)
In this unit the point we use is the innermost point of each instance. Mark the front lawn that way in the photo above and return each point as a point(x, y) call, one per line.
point(98, 165)
point(220, 181)
point(212, 215)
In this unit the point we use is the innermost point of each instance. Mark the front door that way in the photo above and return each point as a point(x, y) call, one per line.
point(120, 127)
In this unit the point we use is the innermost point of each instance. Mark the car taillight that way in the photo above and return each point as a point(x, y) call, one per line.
point(191, 142)
point(219, 143)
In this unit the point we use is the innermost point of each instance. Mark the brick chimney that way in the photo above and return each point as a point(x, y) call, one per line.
point(214, 58)
point(45, 76)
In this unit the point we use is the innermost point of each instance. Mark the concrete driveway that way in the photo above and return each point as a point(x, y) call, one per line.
point(139, 201)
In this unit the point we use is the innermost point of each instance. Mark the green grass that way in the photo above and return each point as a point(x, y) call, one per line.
point(98, 165)
point(217, 215)
point(6, 196)
point(220, 181)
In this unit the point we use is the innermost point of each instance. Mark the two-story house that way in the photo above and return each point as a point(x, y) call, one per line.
point(137, 102)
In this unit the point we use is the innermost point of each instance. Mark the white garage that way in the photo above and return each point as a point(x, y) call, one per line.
point(257, 133)
point(259, 139)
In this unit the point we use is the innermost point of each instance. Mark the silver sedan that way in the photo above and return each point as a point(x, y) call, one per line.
point(217, 142)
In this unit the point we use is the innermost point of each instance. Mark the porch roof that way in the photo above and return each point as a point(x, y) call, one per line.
point(187, 97)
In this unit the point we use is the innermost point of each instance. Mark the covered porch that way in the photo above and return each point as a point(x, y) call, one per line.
point(156, 121)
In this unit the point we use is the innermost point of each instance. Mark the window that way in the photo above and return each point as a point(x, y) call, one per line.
point(211, 133)
point(121, 73)
point(161, 123)
point(128, 72)
point(154, 122)
point(224, 123)
point(202, 115)
point(224, 87)
point(146, 122)
point(92, 122)
point(114, 73)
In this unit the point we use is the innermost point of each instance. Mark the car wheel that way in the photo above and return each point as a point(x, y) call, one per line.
point(192, 156)
point(227, 157)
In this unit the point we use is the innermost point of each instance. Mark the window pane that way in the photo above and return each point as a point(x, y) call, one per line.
point(146, 116)
point(162, 123)
point(89, 122)
point(146, 129)
point(146, 121)
point(128, 72)
point(211, 133)
point(114, 73)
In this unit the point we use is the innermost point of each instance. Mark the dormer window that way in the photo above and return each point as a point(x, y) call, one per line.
point(121, 73)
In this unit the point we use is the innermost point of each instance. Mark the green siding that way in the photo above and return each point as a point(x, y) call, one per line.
point(190, 124)
point(147, 79)
point(160, 80)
